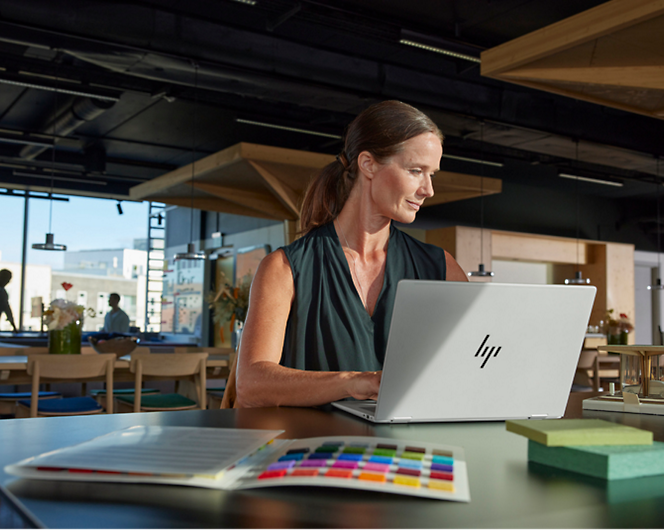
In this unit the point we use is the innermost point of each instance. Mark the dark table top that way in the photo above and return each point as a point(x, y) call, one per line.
point(505, 490)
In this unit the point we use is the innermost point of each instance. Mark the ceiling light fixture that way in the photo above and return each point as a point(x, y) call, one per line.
point(658, 284)
point(578, 276)
point(59, 90)
point(248, 2)
point(475, 160)
point(441, 51)
point(591, 179)
point(481, 271)
point(440, 45)
point(50, 243)
point(191, 253)
point(284, 128)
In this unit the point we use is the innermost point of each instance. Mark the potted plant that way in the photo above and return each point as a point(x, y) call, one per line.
point(230, 304)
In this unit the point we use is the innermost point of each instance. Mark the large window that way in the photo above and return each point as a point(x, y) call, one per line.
point(104, 255)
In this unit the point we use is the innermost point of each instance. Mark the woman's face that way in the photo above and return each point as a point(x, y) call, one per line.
point(400, 185)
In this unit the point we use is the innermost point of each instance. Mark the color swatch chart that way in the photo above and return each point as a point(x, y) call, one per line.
point(380, 464)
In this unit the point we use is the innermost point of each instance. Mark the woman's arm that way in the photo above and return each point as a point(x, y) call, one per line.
point(454, 271)
point(261, 380)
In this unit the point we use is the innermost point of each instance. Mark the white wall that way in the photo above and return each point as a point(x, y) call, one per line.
point(521, 272)
point(649, 303)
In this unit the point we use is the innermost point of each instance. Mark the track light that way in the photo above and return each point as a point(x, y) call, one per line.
point(439, 45)
point(474, 160)
point(442, 51)
point(592, 179)
point(59, 90)
point(290, 129)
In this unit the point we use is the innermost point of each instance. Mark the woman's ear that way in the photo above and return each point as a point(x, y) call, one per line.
point(367, 164)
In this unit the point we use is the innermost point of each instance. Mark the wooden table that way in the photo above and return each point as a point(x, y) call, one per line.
point(14, 369)
point(506, 492)
point(645, 353)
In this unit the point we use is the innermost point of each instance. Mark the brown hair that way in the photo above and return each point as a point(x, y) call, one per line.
point(381, 130)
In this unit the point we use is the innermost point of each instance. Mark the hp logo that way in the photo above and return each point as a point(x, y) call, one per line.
point(487, 352)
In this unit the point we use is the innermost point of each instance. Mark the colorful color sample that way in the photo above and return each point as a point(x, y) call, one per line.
point(404, 466)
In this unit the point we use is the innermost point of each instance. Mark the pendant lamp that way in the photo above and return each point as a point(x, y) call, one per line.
point(658, 284)
point(578, 276)
point(481, 271)
point(50, 243)
point(191, 253)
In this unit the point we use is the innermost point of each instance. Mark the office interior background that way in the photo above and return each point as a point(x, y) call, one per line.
point(97, 98)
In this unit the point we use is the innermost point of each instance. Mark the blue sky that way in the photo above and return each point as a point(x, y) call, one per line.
point(81, 224)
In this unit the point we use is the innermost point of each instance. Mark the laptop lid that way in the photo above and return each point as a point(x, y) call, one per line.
point(462, 351)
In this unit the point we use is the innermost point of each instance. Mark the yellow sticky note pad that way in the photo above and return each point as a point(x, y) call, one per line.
point(579, 432)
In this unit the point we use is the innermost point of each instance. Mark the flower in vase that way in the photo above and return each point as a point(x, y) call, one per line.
point(62, 313)
point(616, 326)
point(231, 303)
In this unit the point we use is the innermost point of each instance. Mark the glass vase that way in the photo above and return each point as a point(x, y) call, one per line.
point(630, 373)
point(619, 337)
point(66, 340)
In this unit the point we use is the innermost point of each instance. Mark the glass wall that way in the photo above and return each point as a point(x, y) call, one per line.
point(105, 254)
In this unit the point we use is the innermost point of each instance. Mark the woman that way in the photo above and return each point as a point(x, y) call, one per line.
point(320, 308)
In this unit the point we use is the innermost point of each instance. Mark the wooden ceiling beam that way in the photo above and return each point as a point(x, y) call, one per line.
point(213, 204)
point(594, 23)
point(284, 194)
point(648, 77)
point(260, 202)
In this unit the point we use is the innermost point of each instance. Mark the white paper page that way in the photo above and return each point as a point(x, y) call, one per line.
point(204, 452)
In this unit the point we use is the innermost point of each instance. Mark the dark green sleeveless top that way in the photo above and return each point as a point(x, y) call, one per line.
point(328, 327)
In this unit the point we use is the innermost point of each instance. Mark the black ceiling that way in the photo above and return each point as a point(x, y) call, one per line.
point(173, 79)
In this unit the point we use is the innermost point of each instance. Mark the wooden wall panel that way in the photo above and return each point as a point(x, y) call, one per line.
point(465, 244)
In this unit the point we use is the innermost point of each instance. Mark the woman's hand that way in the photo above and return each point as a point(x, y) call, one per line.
point(364, 385)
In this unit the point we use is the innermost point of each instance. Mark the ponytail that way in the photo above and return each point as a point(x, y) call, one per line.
point(326, 195)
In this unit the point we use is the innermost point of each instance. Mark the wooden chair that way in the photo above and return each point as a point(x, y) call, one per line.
point(178, 366)
point(9, 400)
point(23, 351)
point(70, 368)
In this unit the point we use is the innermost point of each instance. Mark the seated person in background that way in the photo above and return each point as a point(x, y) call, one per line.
point(320, 308)
point(116, 320)
point(5, 278)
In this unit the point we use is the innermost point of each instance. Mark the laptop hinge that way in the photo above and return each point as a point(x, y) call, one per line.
point(538, 416)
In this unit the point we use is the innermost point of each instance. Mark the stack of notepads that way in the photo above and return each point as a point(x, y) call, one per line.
point(592, 447)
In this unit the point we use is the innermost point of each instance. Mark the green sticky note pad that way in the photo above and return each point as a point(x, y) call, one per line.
point(557, 433)
point(610, 462)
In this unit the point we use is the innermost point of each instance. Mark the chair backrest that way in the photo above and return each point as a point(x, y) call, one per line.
point(70, 368)
point(23, 351)
point(174, 365)
point(203, 349)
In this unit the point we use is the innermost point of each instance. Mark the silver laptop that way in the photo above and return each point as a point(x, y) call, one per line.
point(462, 351)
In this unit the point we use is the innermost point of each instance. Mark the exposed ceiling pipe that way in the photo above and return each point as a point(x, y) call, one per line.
point(81, 111)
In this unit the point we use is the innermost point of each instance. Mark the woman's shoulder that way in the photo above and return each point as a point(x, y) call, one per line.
point(307, 241)
point(426, 249)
